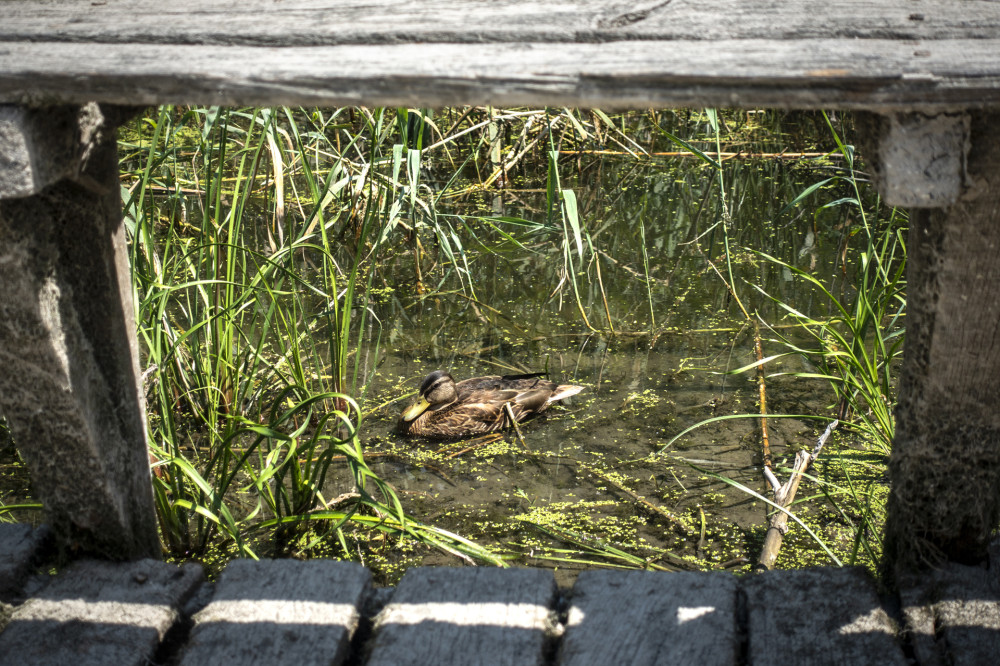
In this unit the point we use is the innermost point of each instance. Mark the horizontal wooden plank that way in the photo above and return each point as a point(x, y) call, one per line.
point(649, 618)
point(280, 611)
point(467, 616)
point(99, 613)
point(891, 55)
point(314, 22)
point(872, 74)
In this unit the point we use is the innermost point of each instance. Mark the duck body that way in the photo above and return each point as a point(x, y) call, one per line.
point(446, 408)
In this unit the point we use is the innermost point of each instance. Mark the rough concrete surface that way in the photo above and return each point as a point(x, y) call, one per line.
point(953, 613)
point(467, 616)
point(818, 616)
point(69, 386)
point(919, 161)
point(20, 544)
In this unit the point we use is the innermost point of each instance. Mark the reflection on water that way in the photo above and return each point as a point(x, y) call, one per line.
point(507, 304)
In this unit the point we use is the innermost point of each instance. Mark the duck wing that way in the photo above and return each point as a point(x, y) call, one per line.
point(533, 400)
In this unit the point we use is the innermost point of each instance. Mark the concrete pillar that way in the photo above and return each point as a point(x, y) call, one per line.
point(69, 382)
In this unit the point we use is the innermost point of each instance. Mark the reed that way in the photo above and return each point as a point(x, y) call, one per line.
point(251, 331)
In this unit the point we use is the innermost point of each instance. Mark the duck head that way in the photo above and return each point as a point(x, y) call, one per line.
point(436, 391)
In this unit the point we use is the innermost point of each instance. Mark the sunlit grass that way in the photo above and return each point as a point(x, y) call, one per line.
point(272, 246)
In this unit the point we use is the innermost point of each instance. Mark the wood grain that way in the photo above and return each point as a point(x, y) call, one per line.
point(897, 55)
point(315, 22)
point(466, 616)
point(877, 74)
point(644, 619)
point(280, 611)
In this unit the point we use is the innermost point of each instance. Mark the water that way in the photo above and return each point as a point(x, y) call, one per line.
point(582, 474)
point(639, 310)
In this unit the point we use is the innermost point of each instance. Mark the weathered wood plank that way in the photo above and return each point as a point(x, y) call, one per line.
point(19, 546)
point(466, 616)
point(99, 613)
point(818, 616)
point(873, 74)
point(944, 502)
point(311, 23)
point(953, 613)
point(845, 53)
point(641, 617)
point(280, 611)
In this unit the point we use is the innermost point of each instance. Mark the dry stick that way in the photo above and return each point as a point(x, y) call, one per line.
point(783, 497)
point(510, 162)
point(758, 349)
point(709, 153)
point(607, 310)
point(517, 428)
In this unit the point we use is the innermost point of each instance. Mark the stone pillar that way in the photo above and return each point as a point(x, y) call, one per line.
point(69, 381)
point(945, 465)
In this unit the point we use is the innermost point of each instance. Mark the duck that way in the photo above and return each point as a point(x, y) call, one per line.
point(449, 409)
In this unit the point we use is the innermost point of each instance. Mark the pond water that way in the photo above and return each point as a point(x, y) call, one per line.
point(642, 297)
point(651, 336)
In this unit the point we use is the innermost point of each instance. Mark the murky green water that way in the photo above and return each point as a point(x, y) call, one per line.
point(577, 476)
point(637, 307)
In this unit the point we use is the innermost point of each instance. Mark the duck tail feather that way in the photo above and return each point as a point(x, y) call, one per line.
point(564, 391)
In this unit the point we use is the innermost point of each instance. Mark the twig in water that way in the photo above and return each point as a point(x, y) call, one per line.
point(517, 429)
point(783, 497)
point(758, 349)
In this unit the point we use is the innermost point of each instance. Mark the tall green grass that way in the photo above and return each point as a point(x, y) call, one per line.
point(847, 328)
point(858, 337)
point(251, 309)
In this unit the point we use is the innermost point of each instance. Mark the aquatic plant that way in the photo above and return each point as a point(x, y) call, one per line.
point(861, 336)
point(280, 252)
point(249, 334)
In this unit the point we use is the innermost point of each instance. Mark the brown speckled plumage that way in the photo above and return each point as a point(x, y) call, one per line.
point(478, 405)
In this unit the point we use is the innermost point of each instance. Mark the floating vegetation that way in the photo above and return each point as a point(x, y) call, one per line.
point(297, 272)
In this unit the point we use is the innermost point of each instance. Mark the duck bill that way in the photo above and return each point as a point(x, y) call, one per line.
point(415, 410)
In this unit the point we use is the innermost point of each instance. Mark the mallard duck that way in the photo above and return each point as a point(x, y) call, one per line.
point(478, 405)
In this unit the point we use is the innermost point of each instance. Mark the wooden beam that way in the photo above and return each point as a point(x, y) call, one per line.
point(945, 465)
point(901, 55)
point(70, 385)
point(479, 22)
point(880, 75)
